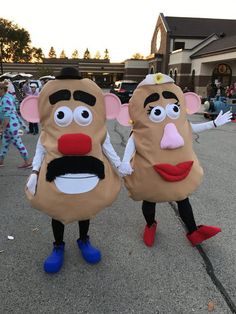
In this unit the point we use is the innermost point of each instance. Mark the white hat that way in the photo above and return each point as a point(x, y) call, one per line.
point(33, 85)
point(157, 78)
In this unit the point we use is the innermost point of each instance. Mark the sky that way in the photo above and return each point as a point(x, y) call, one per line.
point(124, 27)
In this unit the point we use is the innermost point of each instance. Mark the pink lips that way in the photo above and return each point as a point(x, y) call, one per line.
point(174, 173)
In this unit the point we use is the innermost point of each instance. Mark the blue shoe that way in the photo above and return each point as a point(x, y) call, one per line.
point(54, 262)
point(90, 254)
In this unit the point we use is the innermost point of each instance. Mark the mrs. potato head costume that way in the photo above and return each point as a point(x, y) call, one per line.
point(159, 163)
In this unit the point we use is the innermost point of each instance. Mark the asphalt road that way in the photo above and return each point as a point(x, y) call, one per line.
point(170, 278)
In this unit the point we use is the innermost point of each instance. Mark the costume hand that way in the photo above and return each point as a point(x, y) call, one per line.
point(222, 119)
point(125, 169)
point(32, 183)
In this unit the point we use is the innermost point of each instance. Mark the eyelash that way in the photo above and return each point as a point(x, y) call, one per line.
point(149, 110)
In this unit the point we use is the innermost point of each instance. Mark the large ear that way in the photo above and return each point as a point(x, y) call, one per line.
point(193, 102)
point(113, 104)
point(29, 109)
point(115, 110)
point(123, 116)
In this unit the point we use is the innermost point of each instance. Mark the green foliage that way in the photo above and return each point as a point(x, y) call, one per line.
point(98, 55)
point(106, 54)
point(37, 54)
point(87, 54)
point(16, 44)
point(137, 56)
point(75, 54)
point(63, 54)
point(52, 53)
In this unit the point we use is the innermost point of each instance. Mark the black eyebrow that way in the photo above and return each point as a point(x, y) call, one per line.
point(63, 94)
point(87, 98)
point(169, 95)
point(151, 98)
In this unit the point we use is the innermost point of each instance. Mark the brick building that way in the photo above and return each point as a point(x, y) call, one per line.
point(194, 51)
point(103, 72)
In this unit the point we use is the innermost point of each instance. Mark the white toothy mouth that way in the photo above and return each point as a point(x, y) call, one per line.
point(71, 183)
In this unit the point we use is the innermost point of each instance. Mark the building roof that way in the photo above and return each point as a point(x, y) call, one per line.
point(187, 27)
point(223, 44)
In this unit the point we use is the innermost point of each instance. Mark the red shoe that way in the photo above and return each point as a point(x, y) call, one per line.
point(149, 234)
point(202, 233)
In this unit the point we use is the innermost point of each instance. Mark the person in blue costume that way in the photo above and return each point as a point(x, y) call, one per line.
point(10, 124)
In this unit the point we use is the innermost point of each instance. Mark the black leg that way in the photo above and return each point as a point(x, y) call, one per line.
point(83, 229)
point(31, 127)
point(186, 214)
point(149, 210)
point(58, 231)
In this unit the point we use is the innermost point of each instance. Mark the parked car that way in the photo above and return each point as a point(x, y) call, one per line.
point(20, 83)
point(44, 79)
point(47, 77)
point(124, 89)
point(15, 76)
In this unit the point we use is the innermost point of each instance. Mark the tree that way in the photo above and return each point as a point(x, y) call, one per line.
point(106, 54)
point(52, 53)
point(15, 43)
point(75, 54)
point(87, 54)
point(137, 56)
point(63, 54)
point(97, 55)
point(37, 55)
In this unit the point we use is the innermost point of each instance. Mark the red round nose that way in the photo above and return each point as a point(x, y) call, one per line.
point(74, 144)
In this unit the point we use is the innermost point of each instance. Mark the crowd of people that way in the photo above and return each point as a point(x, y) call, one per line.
point(216, 89)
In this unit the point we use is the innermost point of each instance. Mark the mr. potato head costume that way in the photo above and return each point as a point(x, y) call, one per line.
point(159, 164)
point(72, 177)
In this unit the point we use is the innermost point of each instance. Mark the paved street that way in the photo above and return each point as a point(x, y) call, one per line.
point(170, 278)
